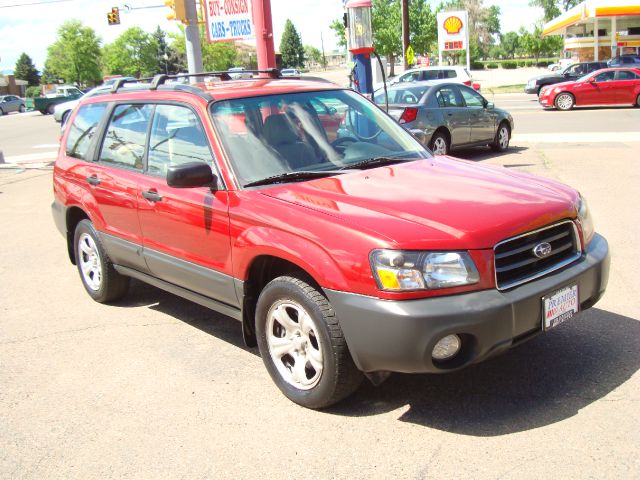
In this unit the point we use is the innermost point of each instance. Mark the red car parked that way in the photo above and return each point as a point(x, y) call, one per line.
point(609, 86)
point(301, 209)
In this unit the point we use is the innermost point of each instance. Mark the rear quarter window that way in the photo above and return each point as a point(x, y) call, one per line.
point(82, 130)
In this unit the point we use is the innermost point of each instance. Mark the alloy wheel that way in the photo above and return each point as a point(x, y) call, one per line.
point(294, 344)
point(90, 263)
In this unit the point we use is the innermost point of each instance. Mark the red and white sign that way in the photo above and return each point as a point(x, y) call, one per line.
point(228, 20)
point(453, 33)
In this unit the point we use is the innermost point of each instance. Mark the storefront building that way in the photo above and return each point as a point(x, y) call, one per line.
point(597, 30)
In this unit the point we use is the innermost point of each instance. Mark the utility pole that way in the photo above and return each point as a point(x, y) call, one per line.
point(405, 31)
point(324, 60)
point(192, 40)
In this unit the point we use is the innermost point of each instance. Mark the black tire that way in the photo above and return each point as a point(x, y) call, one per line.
point(21, 109)
point(1, 112)
point(564, 101)
point(501, 140)
point(440, 142)
point(103, 283)
point(638, 101)
point(64, 118)
point(50, 109)
point(338, 377)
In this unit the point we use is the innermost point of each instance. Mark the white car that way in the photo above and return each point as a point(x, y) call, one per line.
point(239, 72)
point(455, 74)
point(289, 72)
point(62, 110)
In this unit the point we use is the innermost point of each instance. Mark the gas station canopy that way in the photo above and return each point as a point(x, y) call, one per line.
point(598, 29)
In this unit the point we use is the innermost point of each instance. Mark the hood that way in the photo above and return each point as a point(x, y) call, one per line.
point(436, 203)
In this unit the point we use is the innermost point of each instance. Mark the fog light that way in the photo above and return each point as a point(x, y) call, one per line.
point(447, 347)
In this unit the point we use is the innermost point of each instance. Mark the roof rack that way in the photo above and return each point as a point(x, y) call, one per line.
point(119, 83)
point(224, 75)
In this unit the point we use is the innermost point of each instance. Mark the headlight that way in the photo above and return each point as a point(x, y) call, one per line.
point(584, 216)
point(400, 270)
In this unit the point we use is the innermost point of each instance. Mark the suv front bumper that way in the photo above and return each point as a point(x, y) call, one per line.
point(399, 336)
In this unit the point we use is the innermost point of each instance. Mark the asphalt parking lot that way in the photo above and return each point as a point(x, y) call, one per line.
point(157, 387)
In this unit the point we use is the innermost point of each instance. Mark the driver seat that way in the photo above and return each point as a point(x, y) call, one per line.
point(280, 133)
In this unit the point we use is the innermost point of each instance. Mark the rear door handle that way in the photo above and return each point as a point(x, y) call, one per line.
point(152, 196)
point(93, 180)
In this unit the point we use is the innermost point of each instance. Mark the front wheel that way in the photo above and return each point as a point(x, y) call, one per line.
point(638, 101)
point(501, 141)
point(99, 278)
point(564, 101)
point(21, 109)
point(302, 344)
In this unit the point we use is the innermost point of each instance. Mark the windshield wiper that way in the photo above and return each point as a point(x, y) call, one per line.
point(292, 176)
point(376, 162)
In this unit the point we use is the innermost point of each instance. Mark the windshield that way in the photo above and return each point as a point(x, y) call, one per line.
point(325, 131)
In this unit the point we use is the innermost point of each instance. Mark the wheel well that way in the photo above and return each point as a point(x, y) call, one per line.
point(444, 131)
point(264, 269)
point(74, 216)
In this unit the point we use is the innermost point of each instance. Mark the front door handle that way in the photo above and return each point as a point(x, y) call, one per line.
point(93, 180)
point(152, 196)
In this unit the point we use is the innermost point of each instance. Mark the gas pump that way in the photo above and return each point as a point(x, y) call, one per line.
point(361, 44)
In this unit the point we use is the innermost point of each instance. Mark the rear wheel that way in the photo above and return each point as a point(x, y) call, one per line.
point(638, 101)
point(501, 141)
point(100, 279)
point(65, 115)
point(439, 144)
point(565, 101)
point(1, 112)
point(50, 109)
point(302, 344)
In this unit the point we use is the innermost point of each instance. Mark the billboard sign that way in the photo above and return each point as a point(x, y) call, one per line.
point(453, 33)
point(228, 20)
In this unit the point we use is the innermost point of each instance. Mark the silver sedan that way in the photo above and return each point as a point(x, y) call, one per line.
point(445, 116)
point(11, 103)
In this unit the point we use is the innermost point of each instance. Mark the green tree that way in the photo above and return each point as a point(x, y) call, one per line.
point(216, 56)
point(338, 28)
point(535, 45)
point(75, 56)
point(509, 43)
point(423, 29)
point(134, 53)
point(291, 47)
point(26, 70)
point(553, 8)
point(386, 21)
point(313, 54)
point(168, 59)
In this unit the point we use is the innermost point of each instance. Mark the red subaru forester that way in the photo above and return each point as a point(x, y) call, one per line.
point(304, 211)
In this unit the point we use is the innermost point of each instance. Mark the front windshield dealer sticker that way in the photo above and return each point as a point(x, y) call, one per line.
point(229, 20)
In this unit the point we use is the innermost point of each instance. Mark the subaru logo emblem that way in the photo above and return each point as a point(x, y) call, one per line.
point(542, 250)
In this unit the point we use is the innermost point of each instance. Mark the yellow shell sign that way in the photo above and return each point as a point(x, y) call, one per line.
point(452, 25)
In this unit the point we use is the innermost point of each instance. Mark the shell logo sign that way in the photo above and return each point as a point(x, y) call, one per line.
point(453, 34)
point(452, 25)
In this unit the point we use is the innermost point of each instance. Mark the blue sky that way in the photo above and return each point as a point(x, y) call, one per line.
point(31, 28)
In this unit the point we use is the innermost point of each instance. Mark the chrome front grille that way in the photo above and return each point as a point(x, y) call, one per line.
point(517, 263)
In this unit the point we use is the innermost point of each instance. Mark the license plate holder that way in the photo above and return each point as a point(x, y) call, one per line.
point(559, 306)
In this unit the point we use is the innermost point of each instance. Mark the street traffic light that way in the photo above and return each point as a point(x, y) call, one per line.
point(113, 17)
point(178, 10)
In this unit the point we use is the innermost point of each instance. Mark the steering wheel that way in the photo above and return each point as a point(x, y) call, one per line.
point(351, 118)
point(337, 143)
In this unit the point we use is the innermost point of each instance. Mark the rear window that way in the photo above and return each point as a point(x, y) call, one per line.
point(82, 130)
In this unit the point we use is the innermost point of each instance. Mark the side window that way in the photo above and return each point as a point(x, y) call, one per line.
point(627, 75)
point(448, 97)
point(410, 77)
point(82, 130)
point(450, 74)
point(430, 74)
point(126, 134)
point(177, 137)
point(605, 77)
point(472, 99)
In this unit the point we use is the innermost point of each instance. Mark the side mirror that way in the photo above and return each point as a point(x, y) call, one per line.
point(489, 105)
point(190, 175)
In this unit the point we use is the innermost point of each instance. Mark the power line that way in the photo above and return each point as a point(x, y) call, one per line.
point(34, 3)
